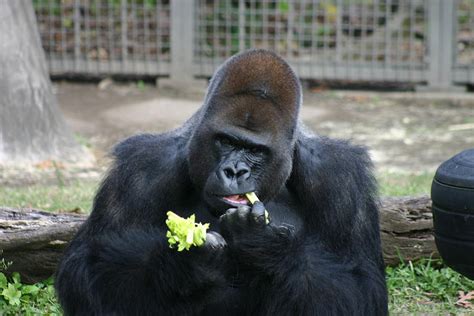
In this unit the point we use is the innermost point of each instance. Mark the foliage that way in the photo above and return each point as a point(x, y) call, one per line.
point(141, 85)
point(426, 286)
point(83, 141)
point(17, 298)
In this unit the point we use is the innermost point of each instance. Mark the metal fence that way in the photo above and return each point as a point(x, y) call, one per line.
point(105, 37)
point(323, 39)
point(463, 66)
point(415, 41)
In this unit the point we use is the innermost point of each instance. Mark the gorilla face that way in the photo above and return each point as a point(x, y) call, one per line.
point(245, 141)
point(245, 136)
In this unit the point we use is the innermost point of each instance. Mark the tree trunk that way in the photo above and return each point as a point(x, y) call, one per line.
point(34, 240)
point(31, 126)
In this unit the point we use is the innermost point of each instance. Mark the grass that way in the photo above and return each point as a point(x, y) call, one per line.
point(425, 287)
point(17, 298)
point(398, 184)
point(76, 196)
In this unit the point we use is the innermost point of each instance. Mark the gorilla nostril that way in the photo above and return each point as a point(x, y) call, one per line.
point(229, 173)
point(242, 172)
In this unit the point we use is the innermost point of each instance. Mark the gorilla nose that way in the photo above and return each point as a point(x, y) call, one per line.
point(240, 171)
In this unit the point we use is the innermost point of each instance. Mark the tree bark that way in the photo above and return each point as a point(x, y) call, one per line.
point(31, 126)
point(34, 240)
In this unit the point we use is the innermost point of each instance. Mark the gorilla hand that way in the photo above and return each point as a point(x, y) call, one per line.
point(251, 241)
point(243, 220)
point(214, 242)
point(213, 249)
point(211, 256)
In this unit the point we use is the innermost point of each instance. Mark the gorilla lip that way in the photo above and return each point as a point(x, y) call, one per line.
point(239, 199)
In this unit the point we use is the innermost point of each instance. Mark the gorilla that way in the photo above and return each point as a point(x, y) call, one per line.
point(320, 253)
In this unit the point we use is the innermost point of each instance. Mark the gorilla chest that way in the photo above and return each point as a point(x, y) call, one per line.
point(284, 210)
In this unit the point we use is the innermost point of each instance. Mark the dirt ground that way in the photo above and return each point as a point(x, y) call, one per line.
point(405, 132)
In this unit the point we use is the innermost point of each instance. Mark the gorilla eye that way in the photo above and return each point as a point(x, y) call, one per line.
point(221, 140)
point(254, 150)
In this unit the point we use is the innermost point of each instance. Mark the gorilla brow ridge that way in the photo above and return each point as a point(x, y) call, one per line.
point(260, 93)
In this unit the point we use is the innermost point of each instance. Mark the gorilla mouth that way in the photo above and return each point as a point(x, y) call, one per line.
point(239, 199)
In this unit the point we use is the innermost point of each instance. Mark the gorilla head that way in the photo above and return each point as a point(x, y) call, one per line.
point(247, 130)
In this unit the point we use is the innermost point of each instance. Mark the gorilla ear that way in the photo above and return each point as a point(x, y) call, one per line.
point(262, 73)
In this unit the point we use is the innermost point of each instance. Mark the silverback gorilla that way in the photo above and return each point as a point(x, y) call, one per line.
point(319, 255)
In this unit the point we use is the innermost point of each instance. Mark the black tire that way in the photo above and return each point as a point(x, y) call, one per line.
point(458, 254)
point(453, 224)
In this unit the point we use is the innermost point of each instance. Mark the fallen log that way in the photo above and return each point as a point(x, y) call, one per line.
point(33, 240)
point(406, 229)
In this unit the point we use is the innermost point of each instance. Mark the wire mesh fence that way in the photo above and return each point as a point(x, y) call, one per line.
point(327, 39)
point(369, 40)
point(105, 37)
point(464, 57)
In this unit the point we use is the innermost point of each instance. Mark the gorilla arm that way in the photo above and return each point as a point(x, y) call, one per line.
point(333, 265)
point(121, 262)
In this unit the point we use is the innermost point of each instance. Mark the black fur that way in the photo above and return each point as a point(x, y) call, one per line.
point(320, 255)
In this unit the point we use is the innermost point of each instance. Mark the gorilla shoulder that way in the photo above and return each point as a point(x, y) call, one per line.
point(144, 145)
point(149, 151)
point(146, 166)
point(337, 175)
point(331, 159)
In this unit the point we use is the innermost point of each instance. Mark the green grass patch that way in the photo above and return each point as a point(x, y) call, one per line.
point(426, 287)
point(76, 196)
point(399, 184)
point(83, 141)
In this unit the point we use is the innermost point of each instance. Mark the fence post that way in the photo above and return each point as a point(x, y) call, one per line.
point(182, 14)
point(442, 24)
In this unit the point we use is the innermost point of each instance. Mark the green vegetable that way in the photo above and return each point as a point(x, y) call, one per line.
point(252, 197)
point(185, 232)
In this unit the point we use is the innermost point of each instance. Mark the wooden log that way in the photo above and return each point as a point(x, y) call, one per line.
point(406, 229)
point(34, 240)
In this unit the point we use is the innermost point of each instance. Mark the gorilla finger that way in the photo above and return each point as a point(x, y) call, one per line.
point(258, 209)
point(235, 216)
point(227, 221)
point(243, 213)
point(234, 221)
point(227, 214)
point(258, 212)
point(214, 240)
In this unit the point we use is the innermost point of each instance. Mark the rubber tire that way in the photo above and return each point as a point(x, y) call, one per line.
point(457, 254)
point(453, 224)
